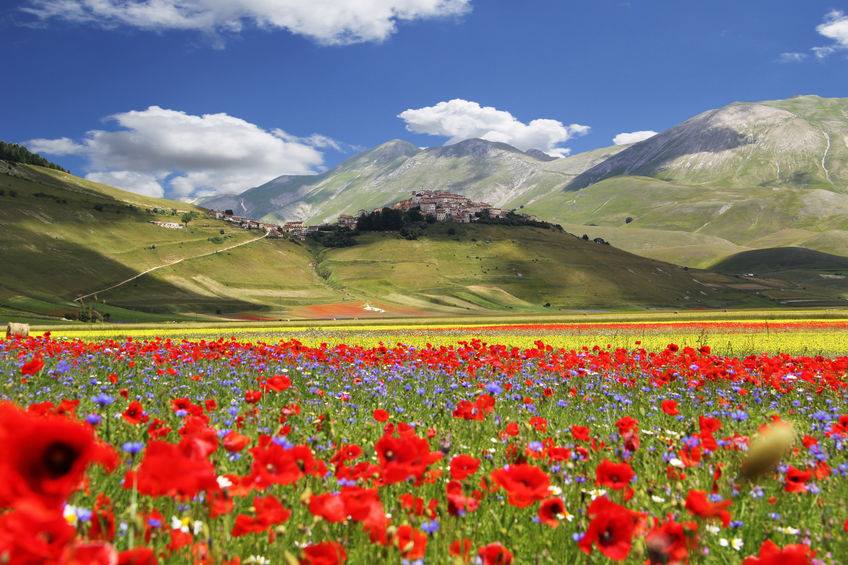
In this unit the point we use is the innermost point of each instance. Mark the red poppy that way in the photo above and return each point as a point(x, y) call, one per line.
point(403, 457)
point(524, 484)
point(380, 415)
point(670, 407)
point(669, 543)
point(166, 470)
point(611, 529)
point(796, 480)
point(45, 456)
point(771, 554)
point(102, 520)
point(134, 414)
point(616, 476)
point(33, 366)
point(235, 442)
point(494, 554)
point(463, 466)
point(699, 505)
point(411, 542)
point(81, 553)
point(324, 553)
point(268, 511)
point(328, 506)
point(31, 534)
point(275, 465)
point(551, 511)
point(137, 556)
point(461, 549)
point(278, 383)
point(580, 433)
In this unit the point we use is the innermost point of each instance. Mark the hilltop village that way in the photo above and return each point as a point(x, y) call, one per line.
point(435, 206)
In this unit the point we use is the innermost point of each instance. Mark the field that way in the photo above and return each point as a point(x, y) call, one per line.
point(630, 438)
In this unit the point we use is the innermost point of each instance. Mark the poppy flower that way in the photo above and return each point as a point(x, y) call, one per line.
point(670, 407)
point(616, 476)
point(324, 553)
point(669, 543)
point(33, 366)
point(134, 414)
point(380, 415)
point(81, 553)
point(580, 433)
point(494, 554)
point(33, 534)
point(463, 466)
point(523, 483)
point(771, 554)
point(45, 457)
point(699, 505)
point(268, 511)
point(403, 457)
point(461, 549)
point(137, 556)
point(796, 480)
point(235, 442)
point(278, 383)
point(611, 529)
point(411, 542)
point(551, 511)
point(328, 506)
point(166, 470)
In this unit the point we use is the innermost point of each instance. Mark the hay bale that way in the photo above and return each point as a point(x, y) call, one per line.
point(14, 330)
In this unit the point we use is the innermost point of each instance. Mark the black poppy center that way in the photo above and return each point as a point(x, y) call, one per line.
point(59, 459)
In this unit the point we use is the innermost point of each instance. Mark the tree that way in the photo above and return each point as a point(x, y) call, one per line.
point(187, 217)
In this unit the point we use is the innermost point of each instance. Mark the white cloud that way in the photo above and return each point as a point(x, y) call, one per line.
point(462, 119)
point(60, 146)
point(791, 57)
point(140, 183)
point(189, 155)
point(326, 21)
point(633, 137)
point(835, 27)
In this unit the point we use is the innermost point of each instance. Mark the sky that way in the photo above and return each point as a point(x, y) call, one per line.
point(187, 98)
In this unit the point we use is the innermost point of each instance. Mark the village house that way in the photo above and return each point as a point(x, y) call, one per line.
point(447, 206)
point(346, 221)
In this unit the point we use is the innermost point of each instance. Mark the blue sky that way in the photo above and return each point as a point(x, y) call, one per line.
point(305, 86)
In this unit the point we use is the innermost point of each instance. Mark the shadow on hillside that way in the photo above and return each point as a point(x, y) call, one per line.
point(52, 270)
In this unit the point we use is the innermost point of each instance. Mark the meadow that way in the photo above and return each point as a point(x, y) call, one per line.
point(489, 445)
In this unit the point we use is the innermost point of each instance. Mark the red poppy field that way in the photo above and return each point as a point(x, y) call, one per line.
point(226, 451)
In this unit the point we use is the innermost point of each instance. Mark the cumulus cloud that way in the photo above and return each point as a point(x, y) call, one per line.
point(835, 27)
point(633, 137)
point(462, 119)
point(330, 22)
point(140, 183)
point(188, 155)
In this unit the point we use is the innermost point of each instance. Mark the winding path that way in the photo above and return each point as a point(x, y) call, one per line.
point(171, 264)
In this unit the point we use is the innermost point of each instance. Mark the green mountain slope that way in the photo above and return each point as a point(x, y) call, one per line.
point(742, 177)
point(62, 237)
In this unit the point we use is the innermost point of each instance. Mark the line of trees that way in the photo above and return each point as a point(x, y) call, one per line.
point(20, 154)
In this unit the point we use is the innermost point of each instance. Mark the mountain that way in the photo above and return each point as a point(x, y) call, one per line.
point(62, 237)
point(787, 143)
point(746, 176)
point(483, 170)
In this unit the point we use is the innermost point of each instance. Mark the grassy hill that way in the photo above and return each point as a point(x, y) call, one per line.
point(62, 237)
point(799, 272)
point(474, 267)
point(695, 225)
